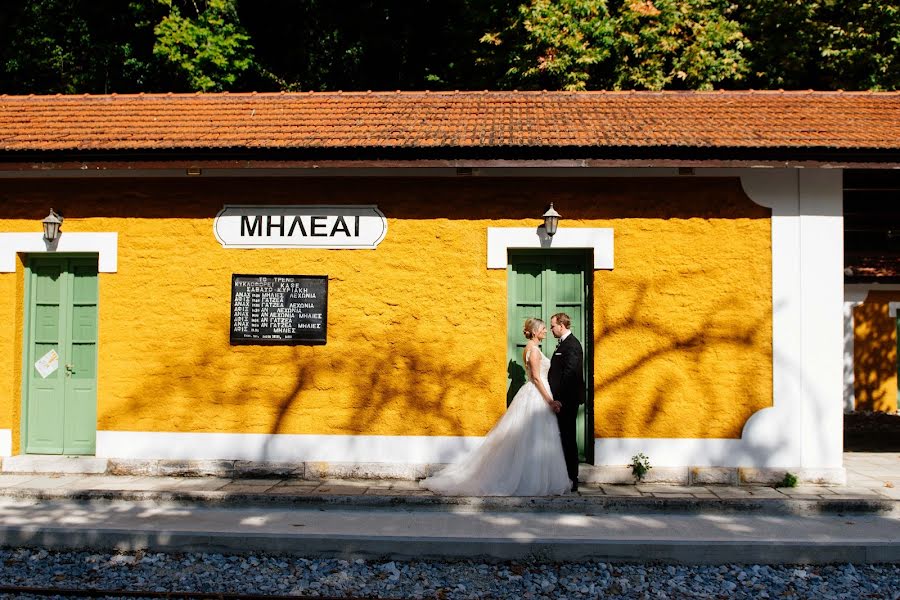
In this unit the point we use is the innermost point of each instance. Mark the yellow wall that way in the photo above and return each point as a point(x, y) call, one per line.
point(416, 346)
point(875, 353)
point(9, 361)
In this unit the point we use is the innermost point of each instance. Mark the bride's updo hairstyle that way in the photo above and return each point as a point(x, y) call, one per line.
point(531, 327)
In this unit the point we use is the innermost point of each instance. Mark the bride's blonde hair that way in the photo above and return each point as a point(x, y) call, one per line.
point(531, 327)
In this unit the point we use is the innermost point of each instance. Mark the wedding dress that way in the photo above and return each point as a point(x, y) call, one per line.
point(520, 456)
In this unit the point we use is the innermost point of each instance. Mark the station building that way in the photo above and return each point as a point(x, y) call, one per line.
point(335, 283)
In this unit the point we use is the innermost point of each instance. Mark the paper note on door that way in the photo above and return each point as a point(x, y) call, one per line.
point(47, 363)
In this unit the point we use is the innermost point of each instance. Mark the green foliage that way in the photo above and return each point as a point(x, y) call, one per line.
point(789, 481)
point(640, 464)
point(73, 46)
point(209, 47)
point(101, 46)
point(564, 39)
point(649, 44)
point(862, 44)
point(823, 44)
point(677, 43)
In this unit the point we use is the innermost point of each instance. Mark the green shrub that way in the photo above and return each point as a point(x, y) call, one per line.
point(790, 480)
point(640, 464)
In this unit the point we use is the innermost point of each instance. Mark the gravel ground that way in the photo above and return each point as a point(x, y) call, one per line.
point(434, 579)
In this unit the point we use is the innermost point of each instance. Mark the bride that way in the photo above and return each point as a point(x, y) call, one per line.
point(522, 454)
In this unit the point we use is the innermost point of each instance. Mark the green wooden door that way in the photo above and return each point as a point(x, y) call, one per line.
point(540, 284)
point(60, 404)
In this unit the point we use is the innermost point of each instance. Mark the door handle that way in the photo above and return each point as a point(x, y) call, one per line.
point(70, 369)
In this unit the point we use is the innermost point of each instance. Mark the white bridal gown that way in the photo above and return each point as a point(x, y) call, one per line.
point(521, 456)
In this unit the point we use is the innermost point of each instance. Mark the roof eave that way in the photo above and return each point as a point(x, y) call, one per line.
point(458, 157)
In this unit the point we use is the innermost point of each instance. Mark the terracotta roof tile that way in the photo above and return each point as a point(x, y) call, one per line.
point(311, 120)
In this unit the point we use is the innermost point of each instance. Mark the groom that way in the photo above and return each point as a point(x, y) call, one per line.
point(567, 386)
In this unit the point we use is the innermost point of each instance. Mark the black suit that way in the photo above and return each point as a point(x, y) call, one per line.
point(567, 385)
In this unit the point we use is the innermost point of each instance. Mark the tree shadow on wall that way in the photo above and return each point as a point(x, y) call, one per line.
point(664, 389)
point(302, 389)
point(406, 390)
point(678, 372)
point(875, 359)
point(874, 425)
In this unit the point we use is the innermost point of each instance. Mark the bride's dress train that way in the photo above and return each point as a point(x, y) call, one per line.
point(521, 456)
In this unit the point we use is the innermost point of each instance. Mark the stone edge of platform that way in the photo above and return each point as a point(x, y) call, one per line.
point(406, 548)
point(565, 504)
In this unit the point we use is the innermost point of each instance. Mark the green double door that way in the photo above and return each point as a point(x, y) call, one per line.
point(542, 283)
point(60, 352)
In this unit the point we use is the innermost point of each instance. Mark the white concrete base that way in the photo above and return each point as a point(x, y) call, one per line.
point(34, 463)
point(612, 475)
point(244, 468)
point(327, 470)
point(823, 476)
point(374, 457)
point(5, 442)
point(814, 476)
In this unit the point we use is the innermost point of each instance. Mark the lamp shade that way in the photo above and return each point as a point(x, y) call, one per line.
point(551, 220)
point(52, 224)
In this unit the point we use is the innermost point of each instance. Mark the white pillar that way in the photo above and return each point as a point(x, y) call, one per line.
point(822, 335)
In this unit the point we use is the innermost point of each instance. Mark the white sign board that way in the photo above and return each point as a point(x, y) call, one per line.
point(303, 226)
point(47, 363)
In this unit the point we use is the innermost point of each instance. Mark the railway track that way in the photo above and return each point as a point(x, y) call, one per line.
point(116, 593)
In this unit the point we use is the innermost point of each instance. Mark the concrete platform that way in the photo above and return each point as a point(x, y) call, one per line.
point(858, 523)
point(401, 533)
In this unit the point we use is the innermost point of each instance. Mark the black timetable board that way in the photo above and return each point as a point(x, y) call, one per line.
point(279, 309)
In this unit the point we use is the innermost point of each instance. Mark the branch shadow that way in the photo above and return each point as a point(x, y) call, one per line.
point(282, 389)
point(875, 353)
point(672, 386)
point(874, 424)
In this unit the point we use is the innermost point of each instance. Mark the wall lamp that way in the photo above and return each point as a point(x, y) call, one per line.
point(52, 224)
point(551, 220)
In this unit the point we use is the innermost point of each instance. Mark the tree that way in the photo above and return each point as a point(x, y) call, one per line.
point(650, 44)
point(372, 44)
point(687, 44)
point(207, 47)
point(73, 46)
point(824, 44)
point(101, 46)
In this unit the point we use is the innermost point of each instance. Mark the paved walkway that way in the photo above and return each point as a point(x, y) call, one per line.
point(877, 471)
point(858, 523)
point(870, 476)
